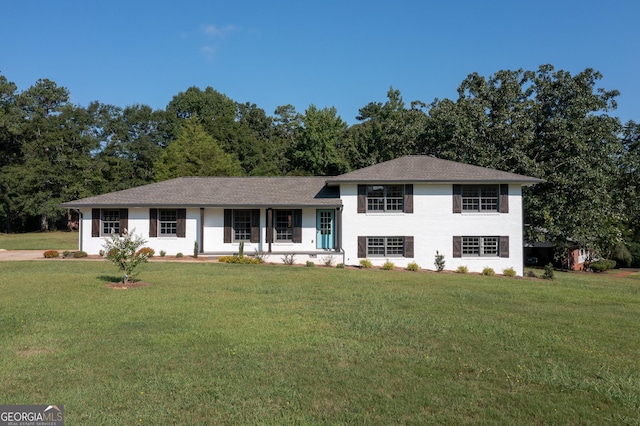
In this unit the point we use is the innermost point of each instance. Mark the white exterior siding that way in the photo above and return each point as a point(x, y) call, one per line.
point(213, 236)
point(433, 226)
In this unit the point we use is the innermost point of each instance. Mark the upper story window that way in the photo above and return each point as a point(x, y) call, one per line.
point(168, 223)
point(481, 198)
point(385, 198)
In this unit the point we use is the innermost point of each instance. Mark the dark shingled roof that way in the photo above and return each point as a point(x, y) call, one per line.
point(295, 191)
point(422, 168)
point(222, 191)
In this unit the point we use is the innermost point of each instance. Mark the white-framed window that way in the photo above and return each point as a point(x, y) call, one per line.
point(283, 225)
point(110, 221)
point(480, 198)
point(168, 221)
point(242, 225)
point(385, 246)
point(385, 198)
point(480, 246)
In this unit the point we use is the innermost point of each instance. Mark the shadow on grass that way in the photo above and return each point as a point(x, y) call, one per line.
point(110, 278)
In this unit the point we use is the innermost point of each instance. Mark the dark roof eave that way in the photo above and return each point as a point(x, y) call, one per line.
point(529, 182)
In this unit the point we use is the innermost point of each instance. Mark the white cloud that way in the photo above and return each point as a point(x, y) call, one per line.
point(215, 31)
point(209, 52)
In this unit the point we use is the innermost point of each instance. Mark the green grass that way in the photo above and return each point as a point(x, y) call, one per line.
point(40, 241)
point(246, 344)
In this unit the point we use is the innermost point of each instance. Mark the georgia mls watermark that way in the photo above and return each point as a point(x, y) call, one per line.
point(31, 415)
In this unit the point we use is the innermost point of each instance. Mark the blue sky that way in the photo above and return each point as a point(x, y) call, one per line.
point(327, 53)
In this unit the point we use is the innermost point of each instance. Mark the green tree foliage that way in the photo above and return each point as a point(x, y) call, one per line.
point(54, 163)
point(131, 142)
point(195, 153)
point(387, 131)
point(241, 129)
point(10, 119)
point(549, 124)
point(317, 150)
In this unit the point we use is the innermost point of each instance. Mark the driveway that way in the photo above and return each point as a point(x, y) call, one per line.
point(21, 255)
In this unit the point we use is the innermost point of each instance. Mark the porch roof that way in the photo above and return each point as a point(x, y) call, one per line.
point(295, 191)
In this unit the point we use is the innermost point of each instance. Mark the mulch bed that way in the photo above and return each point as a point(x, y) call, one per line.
point(128, 285)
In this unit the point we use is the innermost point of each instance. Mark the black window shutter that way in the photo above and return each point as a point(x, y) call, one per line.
point(124, 220)
point(457, 198)
point(227, 225)
point(153, 222)
point(269, 225)
point(408, 247)
point(255, 226)
point(297, 225)
point(504, 198)
point(95, 222)
point(182, 223)
point(408, 198)
point(457, 247)
point(504, 246)
point(362, 247)
point(362, 198)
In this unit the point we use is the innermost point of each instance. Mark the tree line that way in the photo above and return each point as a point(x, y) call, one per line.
point(544, 123)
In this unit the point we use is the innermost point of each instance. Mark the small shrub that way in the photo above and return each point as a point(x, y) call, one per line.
point(163, 253)
point(462, 269)
point(50, 254)
point(365, 263)
point(260, 256)
point(327, 260)
point(101, 253)
point(439, 261)
point(599, 266)
point(532, 274)
point(80, 254)
point(309, 264)
point(66, 253)
point(509, 272)
point(488, 272)
point(236, 259)
point(196, 249)
point(340, 266)
point(124, 252)
point(388, 265)
point(179, 255)
point(146, 251)
point(289, 259)
point(413, 266)
point(548, 272)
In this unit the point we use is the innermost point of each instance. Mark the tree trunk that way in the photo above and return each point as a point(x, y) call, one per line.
point(44, 223)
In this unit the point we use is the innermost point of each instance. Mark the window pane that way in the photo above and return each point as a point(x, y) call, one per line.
point(489, 198)
point(168, 222)
point(375, 246)
point(471, 246)
point(284, 225)
point(490, 246)
point(110, 221)
point(242, 225)
point(385, 198)
point(395, 246)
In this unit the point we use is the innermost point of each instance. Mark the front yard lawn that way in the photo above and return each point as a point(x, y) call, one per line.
point(209, 343)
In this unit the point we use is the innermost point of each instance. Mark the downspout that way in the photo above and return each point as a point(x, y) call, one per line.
point(79, 229)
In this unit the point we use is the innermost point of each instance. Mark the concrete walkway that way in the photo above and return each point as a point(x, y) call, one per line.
point(21, 255)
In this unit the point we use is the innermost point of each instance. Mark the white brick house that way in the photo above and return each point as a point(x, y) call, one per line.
point(403, 210)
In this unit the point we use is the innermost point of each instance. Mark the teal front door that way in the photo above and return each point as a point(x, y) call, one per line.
point(325, 228)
